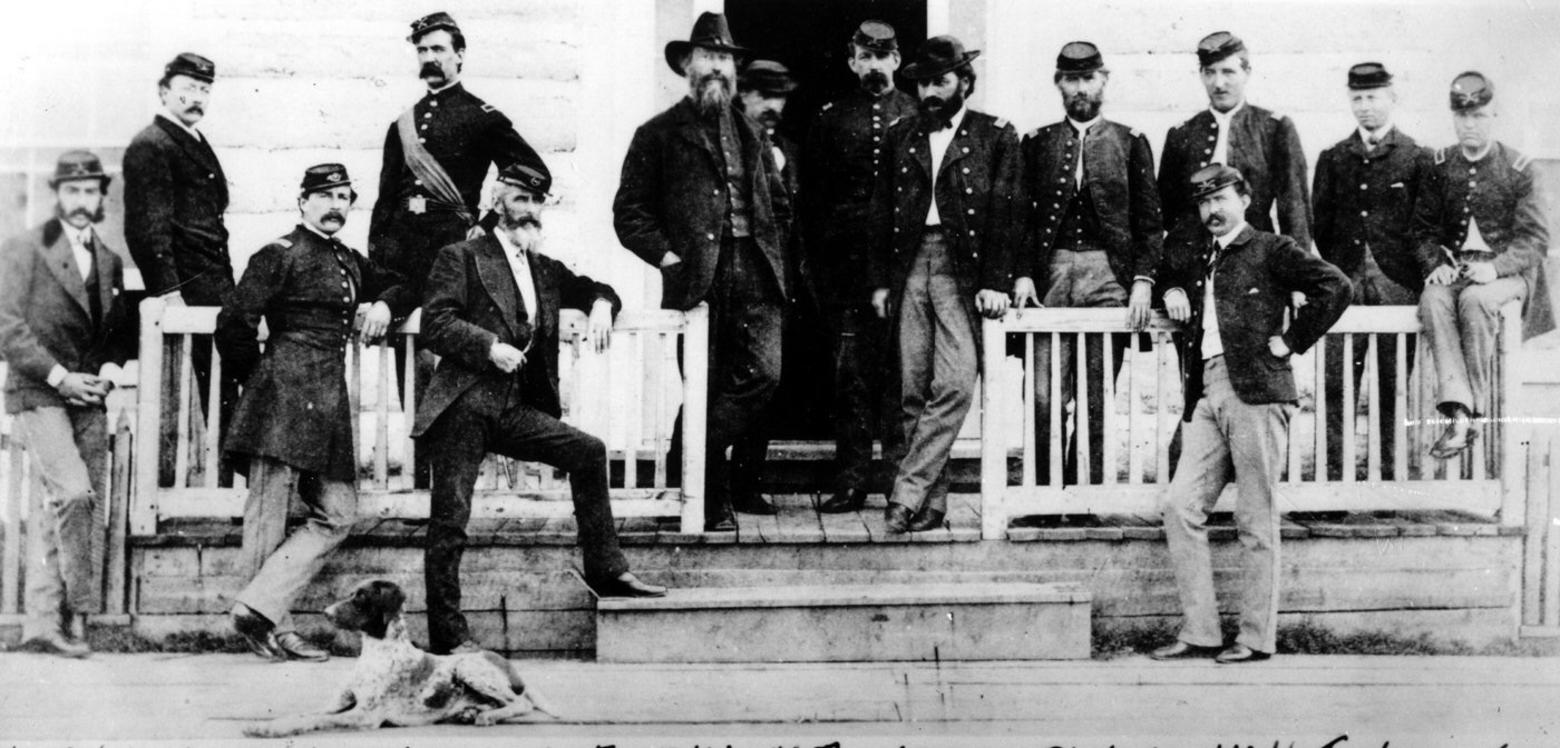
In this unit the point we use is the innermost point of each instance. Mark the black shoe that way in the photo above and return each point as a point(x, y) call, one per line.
point(752, 502)
point(928, 519)
point(1179, 650)
point(55, 643)
point(897, 517)
point(1238, 653)
point(626, 585)
point(845, 500)
point(295, 647)
point(719, 519)
point(256, 630)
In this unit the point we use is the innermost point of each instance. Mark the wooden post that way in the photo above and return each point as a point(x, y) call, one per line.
point(1506, 393)
point(1054, 410)
point(696, 393)
point(1551, 534)
point(1081, 428)
point(1111, 429)
point(993, 453)
point(11, 561)
point(116, 567)
point(1536, 479)
point(1030, 457)
point(1319, 413)
point(148, 420)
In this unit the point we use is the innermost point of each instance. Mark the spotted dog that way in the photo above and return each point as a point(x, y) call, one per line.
point(397, 684)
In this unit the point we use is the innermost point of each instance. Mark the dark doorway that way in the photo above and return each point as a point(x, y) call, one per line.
point(810, 37)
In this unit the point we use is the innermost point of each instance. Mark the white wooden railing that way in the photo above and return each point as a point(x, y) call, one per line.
point(627, 396)
point(1139, 427)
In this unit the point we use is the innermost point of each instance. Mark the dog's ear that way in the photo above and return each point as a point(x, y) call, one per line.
point(383, 605)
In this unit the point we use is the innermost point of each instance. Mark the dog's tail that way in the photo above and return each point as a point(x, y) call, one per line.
point(517, 684)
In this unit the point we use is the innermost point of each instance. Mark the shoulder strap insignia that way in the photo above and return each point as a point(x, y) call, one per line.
point(1001, 123)
point(488, 108)
point(1521, 163)
point(283, 242)
point(895, 121)
point(1276, 116)
point(1136, 133)
point(1034, 133)
point(1440, 155)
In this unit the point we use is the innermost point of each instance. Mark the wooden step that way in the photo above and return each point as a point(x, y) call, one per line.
point(849, 623)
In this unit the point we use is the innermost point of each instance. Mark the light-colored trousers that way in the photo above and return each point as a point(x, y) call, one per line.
point(1228, 439)
point(1461, 325)
point(938, 362)
point(68, 448)
point(287, 563)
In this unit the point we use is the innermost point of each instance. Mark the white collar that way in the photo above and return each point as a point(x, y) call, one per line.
point(1229, 238)
point(1083, 127)
point(1223, 118)
point(77, 237)
point(194, 133)
point(510, 250)
point(436, 91)
point(317, 232)
point(1379, 135)
point(1488, 149)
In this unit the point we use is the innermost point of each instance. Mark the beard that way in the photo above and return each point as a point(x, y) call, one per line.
point(939, 111)
point(1084, 107)
point(94, 215)
point(525, 231)
point(711, 92)
point(876, 82)
point(769, 118)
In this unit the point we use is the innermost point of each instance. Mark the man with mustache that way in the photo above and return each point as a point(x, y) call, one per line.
point(842, 159)
point(491, 313)
point(1365, 189)
point(1482, 237)
point(1240, 394)
point(65, 333)
point(1262, 144)
point(175, 197)
point(702, 199)
point(943, 233)
point(292, 429)
point(436, 155)
point(1091, 218)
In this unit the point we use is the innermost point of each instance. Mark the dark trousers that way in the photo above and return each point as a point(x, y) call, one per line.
point(213, 289)
point(866, 387)
point(1371, 288)
point(746, 325)
point(457, 444)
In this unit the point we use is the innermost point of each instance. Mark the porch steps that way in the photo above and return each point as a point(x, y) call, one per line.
point(849, 623)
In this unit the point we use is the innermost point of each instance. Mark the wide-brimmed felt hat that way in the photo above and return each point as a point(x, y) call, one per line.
point(78, 164)
point(710, 32)
point(938, 55)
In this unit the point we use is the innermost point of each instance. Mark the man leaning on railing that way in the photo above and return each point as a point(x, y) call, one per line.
point(1482, 239)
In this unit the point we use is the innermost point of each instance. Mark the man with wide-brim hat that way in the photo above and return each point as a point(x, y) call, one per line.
point(1094, 239)
point(292, 429)
point(1482, 237)
point(844, 154)
point(702, 199)
point(943, 235)
point(65, 333)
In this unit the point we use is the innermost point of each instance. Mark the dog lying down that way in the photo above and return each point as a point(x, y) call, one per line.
point(395, 683)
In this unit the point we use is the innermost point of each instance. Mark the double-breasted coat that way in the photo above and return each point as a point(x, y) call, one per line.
point(294, 406)
point(1364, 202)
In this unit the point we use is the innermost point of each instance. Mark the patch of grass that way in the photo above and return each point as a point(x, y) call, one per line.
point(1114, 640)
point(123, 640)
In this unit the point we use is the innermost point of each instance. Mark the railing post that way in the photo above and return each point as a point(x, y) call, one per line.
point(148, 420)
point(117, 567)
point(1513, 502)
point(993, 452)
point(17, 486)
point(696, 392)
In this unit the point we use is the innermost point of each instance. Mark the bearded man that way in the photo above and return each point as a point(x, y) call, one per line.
point(702, 199)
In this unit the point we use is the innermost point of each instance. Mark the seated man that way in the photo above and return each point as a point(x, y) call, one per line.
point(1482, 237)
point(491, 312)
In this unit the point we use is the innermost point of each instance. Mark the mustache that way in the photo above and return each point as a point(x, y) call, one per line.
point(430, 68)
point(334, 215)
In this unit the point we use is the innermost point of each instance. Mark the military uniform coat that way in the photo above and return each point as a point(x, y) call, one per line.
point(1253, 281)
point(977, 190)
point(472, 303)
point(1118, 174)
point(1264, 146)
point(841, 161)
point(1499, 192)
point(672, 198)
point(46, 319)
point(175, 195)
point(294, 407)
point(1364, 203)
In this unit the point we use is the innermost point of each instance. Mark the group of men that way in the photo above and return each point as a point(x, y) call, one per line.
point(907, 218)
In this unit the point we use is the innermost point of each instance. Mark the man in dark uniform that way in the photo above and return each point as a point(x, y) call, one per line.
point(763, 88)
point(65, 333)
point(1482, 238)
point(843, 156)
point(292, 428)
point(943, 225)
point(1240, 395)
point(436, 155)
point(1364, 195)
point(1263, 145)
point(702, 199)
point(1092, 222)
point(175, 195)
point(491, 313)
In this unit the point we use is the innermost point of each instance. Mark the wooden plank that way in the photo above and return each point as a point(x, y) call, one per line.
point(229, 502)
point(1055, 414)
point(1162, 434)
point(116, 552)
point(1551, 576)
point(848, 527)
point(1112, 432)
point(149, 394)
point(1319, 413)
point(1506, 397)
point(1081, 426)
point(181, 460)
point(17, 484)
point(798, 519)
point(1373, 434)
point(1349, 414)
point(1481, 497)
point(1400, 447)
point(1536, 480)
point(1134, 454)
point(696, 386)
point(211, 449)
point(991, 406)
point(1097, 320)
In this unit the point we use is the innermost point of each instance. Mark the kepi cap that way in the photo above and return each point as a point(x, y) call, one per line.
point(938, 55)
point(78, 164)
point(1471, 90)
point(710, 32)
point(1217, 46)
point(767, 77)
point(323, 177)
point(526, 176)
point(433, 22)
point(1369, 75)
point(192, 65)
point(1079, 57)
point(876, 36)
point(1212, 178)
